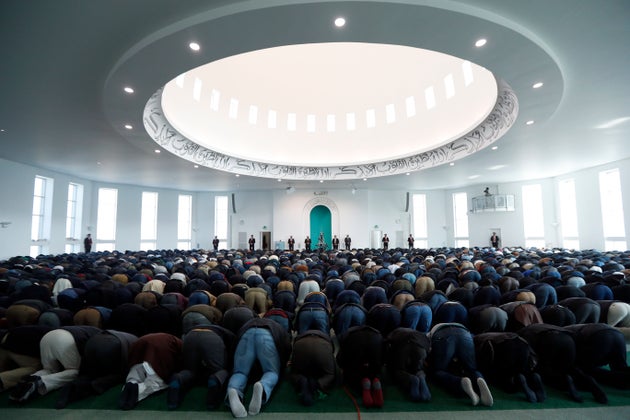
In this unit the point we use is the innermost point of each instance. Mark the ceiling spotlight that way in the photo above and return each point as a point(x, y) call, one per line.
point(530, 122)
point(128, 89)
point(495, 147)
point(196, 166)
point(339, 22)
point(537, 85)
point(481, 42)
point(128, 126)
point(365, 179)
point(237, 175)
point(279, 180)
point(452, 163)
point(194, 46)
point(321, 181)
point(408, 173)
point(157, 151)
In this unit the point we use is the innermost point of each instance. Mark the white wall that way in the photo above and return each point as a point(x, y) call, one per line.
point(286, 214)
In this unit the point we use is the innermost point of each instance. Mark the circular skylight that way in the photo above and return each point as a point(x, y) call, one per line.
point(329, 104)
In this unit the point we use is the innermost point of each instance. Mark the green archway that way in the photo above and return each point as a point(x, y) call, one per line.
point(320, 220)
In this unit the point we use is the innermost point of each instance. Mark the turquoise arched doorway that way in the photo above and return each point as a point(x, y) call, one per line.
point(320, 222)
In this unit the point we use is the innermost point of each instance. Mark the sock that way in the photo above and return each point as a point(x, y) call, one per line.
point(538, 387)
point(573, 392)
point(425, 394)
point(366, 386)
point(484, 391)
point(414, 388)
point(468, 389)
point(377, 393)
point(236, 406)
point(522, 382)
point(306, 395)
point(256, 402)
point(213, 397)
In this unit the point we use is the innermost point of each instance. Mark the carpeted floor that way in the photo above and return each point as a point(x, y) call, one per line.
point(284, 405)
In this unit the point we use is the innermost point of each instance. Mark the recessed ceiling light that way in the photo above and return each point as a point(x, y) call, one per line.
point(321, 181)
point(452, 163)
point(365, 179)
point(481, 42)
point(157, 151)
point(129, 126)
point(237, 175)
point(495, 147)
point(408, 173)
point(530, 122)
point(537, 85)
point(279, 180)
point(194, 46)
point(196, 166)
point(128, 89)
point(339, 22)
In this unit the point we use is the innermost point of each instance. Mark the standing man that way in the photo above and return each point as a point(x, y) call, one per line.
point(252, 242)
point(385, 241)
point(347, 241)
point(335, 243)
point(410, 241)
point(215, 244)
point(291, 243)
point(307, 244)
point(87, 243)
point(494, 240)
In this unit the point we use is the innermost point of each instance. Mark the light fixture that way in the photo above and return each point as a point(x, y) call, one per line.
point(129, 126)
point(354, 190)
point(157, 151)
point(321, 181)
point(452, 163)
point(408, 173)
point(279, 180)
point(537, 85)
point(365, 179)
point(196, 166)
point(290, 190)
point(128, 89)
point(481, 42)
point(2, 130)
point(339, 22)
point(495, 147)
point(237, 175)
point(530, 122)
point(194, 46)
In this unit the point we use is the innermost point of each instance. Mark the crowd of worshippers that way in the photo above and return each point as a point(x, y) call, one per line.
point(465, 320)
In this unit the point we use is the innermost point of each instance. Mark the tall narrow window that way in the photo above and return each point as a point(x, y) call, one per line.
point(533, 222)
point(74, 218)
point(42, 215)
point(612, 211)
point(221, 220)
point(568, 214)
point(420, 227)
point(148, 221)
point(460, 219)
point(184, 222)
point(106, 219)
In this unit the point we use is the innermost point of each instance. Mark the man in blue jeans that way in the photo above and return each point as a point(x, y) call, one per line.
point(265, 341)
point(452, 345)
